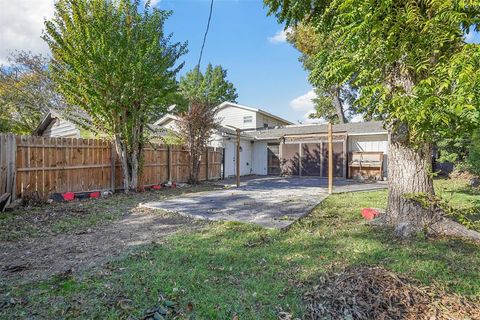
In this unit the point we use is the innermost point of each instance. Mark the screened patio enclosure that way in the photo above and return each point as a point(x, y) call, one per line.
point(308, 155)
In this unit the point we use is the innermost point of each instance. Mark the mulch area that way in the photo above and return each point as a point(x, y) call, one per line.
point(376, 293)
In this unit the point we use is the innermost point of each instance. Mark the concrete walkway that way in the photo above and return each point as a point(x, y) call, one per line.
point(272, 202)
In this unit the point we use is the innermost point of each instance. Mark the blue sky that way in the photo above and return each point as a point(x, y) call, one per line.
point(265, 71)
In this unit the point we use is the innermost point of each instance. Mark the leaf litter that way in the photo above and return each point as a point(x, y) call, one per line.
point(368, 292)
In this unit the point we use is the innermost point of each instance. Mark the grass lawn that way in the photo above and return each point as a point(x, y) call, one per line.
point(229, 269)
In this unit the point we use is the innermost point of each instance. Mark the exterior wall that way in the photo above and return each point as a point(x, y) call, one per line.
point(246, 166)
point(259, 155)
point(263, 121)
point(376, 143)
point(61, 128)
point(171, 124)
point(233, 116)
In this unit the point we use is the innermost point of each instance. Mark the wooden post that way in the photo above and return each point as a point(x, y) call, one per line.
point(330, 158)
point(238, 157)
point(206, 163)
point(170, 176)
point(113, 158)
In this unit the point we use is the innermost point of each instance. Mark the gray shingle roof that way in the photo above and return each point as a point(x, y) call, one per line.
point(349, 128)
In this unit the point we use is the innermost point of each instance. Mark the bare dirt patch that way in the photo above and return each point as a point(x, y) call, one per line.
point(70, 237)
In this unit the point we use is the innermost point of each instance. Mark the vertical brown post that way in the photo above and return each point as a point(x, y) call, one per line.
point(238, 157)
point(113, 157)
point(330, 158)
point(206, 163)
point(169, 166)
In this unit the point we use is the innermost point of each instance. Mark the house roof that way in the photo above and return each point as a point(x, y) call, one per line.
point(165, 118)
point(357, 128)
point(241, 106)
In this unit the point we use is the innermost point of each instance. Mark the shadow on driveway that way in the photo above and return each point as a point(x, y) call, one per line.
point(272, 202)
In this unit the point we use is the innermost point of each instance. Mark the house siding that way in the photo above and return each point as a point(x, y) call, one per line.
point(233, 116)
point(373, 143)
point(260, 158)
point(270, 121)
point(61, 128)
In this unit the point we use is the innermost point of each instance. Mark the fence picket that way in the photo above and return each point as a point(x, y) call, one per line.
point(48, 165)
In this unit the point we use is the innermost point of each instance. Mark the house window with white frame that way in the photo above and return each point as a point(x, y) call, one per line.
point(247, 119)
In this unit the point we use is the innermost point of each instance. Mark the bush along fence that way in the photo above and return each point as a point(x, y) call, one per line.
point(43, 166)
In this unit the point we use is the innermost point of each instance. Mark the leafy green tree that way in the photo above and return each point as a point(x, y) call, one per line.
point(26, 93)
point(210, 88)
point(412, 67)
point(474, 154)
point(334, 101)
point(112, 59)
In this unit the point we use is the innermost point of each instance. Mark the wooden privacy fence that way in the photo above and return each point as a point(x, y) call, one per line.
point(48, 165)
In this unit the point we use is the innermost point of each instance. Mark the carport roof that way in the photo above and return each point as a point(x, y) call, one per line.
point(358, 128)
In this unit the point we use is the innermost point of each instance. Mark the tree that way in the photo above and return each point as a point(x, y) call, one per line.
point(334, 101)
point(112, 59)
point(474, 154)
point(26, 93)
point(202, 93)
point(412, 67)
point(211, 88)
point(196, 126)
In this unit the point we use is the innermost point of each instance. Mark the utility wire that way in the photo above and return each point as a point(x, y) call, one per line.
point(205, 35)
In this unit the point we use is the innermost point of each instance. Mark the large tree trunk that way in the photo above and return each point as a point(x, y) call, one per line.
point(123, 156)
point(409, 171)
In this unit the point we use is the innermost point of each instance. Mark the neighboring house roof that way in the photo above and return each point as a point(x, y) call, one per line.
point(226, 104)
point(165, 118)
point(357, 128)
point(50, 117)
point(44, 124)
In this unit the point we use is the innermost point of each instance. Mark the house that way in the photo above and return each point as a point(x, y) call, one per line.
point(233, 115)
point(53, 125)
point(56, 125)
point(270, 145)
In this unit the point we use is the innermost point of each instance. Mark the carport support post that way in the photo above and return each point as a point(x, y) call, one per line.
point(238, 157)
point(330, 158)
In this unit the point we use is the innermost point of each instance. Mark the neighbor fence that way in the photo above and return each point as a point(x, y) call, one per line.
point(55, 165)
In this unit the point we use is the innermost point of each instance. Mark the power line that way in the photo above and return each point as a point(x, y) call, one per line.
point(205, 35)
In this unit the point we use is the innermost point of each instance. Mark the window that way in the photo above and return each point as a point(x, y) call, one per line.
point(247, 119)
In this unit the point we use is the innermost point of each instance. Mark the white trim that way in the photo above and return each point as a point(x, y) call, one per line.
point(164, 118)
point(367, 133)
point(241, 106)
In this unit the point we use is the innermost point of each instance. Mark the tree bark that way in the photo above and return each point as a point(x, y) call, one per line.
point(409, 171)
point(123, 156)
point(337, 103)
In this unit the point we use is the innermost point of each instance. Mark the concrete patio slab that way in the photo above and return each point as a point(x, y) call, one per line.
point(272, 202)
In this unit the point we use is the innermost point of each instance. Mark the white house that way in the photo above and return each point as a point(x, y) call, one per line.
point(270, 145)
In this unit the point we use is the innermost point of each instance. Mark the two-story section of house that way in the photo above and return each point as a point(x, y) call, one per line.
point(247, 118)
point(232, 116)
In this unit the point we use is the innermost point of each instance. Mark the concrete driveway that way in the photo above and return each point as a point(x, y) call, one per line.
point(272, 202)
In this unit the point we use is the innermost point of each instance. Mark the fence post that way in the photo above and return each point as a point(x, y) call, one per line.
point(207, 163)
point(8, 169)
point(113, 158)
point(169, 162)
